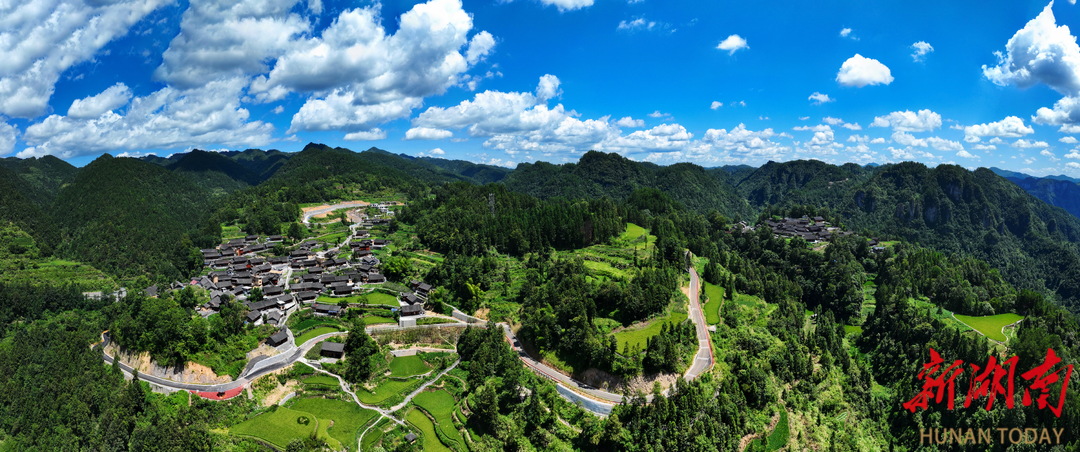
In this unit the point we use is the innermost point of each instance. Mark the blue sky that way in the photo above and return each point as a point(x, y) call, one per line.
point(503, 82)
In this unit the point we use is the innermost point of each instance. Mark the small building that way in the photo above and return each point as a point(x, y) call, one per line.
point(254, 318)
point(341, 289)
point(412, 309)
point(326, 309)
point(307, 296)
point(332, 349)
point(410, 437)
point(278, 338)
point(410, 298)
point(375, 278)
point(151, 291)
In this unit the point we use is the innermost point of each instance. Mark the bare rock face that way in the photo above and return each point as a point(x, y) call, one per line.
point(189, 373)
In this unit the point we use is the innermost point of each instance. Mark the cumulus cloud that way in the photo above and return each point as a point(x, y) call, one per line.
point(366, 135)
point(1066, 111)
point(1041, 52)
point(224, 38)
point(920, 50)
point(360, 76)
point(8, 135)
point(169, 118)
point(39, 40)
point(733, 44)
point(437, 151)
point(859, 71)
point(568, 5)
point(741, 143)
point(1010, 127)
point(907, 139)
point(1068, 140)
point(966, 154)
point(716, 104)
point(112, 98)
point(627, 121)
point(846, 33)
point(642, 24)
point(909, 121)
point(819, 98)
point(548, 87)
point(427, 133)
point(1025, 144)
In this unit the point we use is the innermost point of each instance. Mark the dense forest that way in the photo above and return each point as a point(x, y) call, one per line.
point(820, 343)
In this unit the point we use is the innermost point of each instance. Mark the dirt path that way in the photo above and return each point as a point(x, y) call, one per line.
point(745, 440)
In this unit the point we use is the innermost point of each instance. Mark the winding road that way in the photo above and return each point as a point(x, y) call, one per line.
point(593, 399)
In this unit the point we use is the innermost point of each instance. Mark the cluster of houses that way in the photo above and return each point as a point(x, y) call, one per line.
point(812, 230)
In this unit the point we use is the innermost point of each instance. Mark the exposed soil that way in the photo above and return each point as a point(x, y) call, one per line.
point(189, 373)
point(275, 396)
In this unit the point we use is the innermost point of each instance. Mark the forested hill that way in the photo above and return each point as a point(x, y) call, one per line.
point(127, 216)
point(599, 174)
point(1056, 192)
point(40, 179)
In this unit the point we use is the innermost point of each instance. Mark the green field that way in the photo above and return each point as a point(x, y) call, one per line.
point(430, 439)
point(435, 320)
point(314, 332)
point(375, 320)
point(852, 329)
point(347, 417)
point(990, 325)
point(322, 380)
point(313, 322)
point(44, 271)
point(382, 298)
point(637, 336)
point(440, 404)
point(387, 389)
point(712, 307)
point(408, 366)
point(277, 427)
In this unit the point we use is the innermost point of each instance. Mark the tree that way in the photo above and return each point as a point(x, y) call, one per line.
point(396, 267)
point(295, 232)
point(361, 352)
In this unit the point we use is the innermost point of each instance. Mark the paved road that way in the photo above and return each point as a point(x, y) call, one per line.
point(703, 360)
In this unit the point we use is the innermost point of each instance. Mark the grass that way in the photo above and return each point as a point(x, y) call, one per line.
point(779, 436)
point(313, 322)
point(387, 389)
point(408, 366)
point(375, 320)
point(382, 298)
point(314, 332)
point(712, 307)
point(43, 271)
point(636, 337)
point(430, 439)
point(991, 325)
point(347, 417)
point(749, 301)
point(852, 329)
point(440, 404)
point(277, 427)
point(434, 320)
point(322, 380)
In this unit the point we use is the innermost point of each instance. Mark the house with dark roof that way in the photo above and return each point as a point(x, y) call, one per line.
point(272, 290)
point(326, 309)
point(263, 305)
point(375, 278)
point(332, 349)
point(278, 338)
point(273, 317)
point(412, 309)
point(307, 296)
point(341, 288)
point(410, 298)
point(254, 318)
point(151, 291)
point(423, 289)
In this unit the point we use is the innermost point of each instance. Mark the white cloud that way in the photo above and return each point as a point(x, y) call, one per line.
point(877, 140)
point(366, 135)
point(437, 151)
point(832, 121)
point(1073, 154)
point(984, 147)
point(1069, 128)
point(1050, 155)
point(479, 46)
point(906, 139)
point(860, 71)
point(112, 98)
point(1041, 52)
point(732, 44)
point(659, 114)
point(1068, 140)
point(817, 128)
point(851, 126)
point(716, 104)
point(741, 143)
point(39, 40)
point(548, 87)
point(909, 121)
point(819, 98)
point(359, 76)
point(1065, 111)
point(966, 154)
point(427, 133)
point(920, 50)
point(803, 118)
point(8, 135)
point(278, 110)
point(568, 5)
point(996, 140)
point(1073, 165)
point(627, 121)
point(846, 33)
point(1025, 144)
point(942, 144)
point(642, 24)
point(222, 38)
point(1010, 127)
point(169, 118)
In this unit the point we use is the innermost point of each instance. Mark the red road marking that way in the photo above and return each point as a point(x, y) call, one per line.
point(225, 395)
